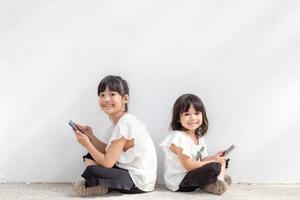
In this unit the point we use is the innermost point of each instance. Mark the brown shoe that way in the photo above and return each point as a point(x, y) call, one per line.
point(219, 187)
point(228, 179)
point(83, 191)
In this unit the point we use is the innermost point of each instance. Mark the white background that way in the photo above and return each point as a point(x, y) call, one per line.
point(241, 58)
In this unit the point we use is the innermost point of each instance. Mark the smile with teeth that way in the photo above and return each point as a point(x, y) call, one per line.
point(107, 106)
point(193, 124)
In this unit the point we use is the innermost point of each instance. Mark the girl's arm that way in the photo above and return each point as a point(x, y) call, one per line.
point(207, 158)
point(107, 159)
point(100, 146)
point(188, 163)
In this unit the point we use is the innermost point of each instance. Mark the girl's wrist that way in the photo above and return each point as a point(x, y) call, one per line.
point(89, 146)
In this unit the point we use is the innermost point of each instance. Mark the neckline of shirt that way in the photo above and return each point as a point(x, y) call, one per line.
point(191, 139)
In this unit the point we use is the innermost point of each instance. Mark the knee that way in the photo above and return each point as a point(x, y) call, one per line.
point(214, 169)
point(90, 170)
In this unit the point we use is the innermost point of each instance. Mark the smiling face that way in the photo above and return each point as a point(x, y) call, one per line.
point(189, 115)
point(191, 120)
point(112, 102)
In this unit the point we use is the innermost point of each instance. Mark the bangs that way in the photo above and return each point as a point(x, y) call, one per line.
point(183, 104)
point(112, 84)
point(192, 100)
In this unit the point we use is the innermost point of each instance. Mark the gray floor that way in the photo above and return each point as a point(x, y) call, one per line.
point(60, 191)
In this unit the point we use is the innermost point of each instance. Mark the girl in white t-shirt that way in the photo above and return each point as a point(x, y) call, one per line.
point(127, 161)
point(187, 165)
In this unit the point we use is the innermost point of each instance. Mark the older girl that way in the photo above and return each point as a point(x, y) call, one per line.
point(127, 161)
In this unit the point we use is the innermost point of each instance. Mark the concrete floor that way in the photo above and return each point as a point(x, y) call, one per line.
point(61, 191)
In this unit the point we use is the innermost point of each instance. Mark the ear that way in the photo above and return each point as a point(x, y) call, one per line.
point(125, 98)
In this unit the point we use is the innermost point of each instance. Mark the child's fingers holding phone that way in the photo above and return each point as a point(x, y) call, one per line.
point(82, 138)
point(221, 160)
point(220, 153)
point(87, 130)
point(80, 126)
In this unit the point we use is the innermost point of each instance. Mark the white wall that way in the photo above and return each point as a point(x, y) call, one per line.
point(242, 58)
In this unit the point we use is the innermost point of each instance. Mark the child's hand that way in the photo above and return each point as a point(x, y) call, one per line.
point(219, 154)
point(219, 159)
point(82, 139)
point(87, 130)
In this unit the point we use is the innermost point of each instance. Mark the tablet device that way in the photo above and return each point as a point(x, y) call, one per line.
point(74, 126)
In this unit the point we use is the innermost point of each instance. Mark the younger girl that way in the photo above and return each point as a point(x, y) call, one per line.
point(187, 164)
point(127, 161)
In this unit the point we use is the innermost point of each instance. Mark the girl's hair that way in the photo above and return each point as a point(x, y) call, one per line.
point(116, 84)
point(182, 104)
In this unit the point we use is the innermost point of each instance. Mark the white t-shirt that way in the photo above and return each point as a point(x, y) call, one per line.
point(174, 172)
point(140, 160)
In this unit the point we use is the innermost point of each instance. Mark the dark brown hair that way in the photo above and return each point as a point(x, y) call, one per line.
point(182, 104)
point(116, 84)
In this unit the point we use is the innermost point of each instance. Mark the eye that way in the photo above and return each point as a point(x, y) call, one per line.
point(185, 114)
point(101, 95)
point(113, 94)
point(198, 113)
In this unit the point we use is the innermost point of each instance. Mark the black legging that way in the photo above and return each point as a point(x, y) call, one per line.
point(114, 178)
point(200, 177)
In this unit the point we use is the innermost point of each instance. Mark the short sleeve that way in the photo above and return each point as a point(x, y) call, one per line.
point(178, 139)
point(126, 130)
point(122, 130)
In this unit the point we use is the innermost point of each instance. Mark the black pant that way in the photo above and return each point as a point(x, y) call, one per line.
point(200, 177)
point(114, 178)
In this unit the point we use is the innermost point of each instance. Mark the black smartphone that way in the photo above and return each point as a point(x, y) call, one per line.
point(228, 150)
point(74, 126)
